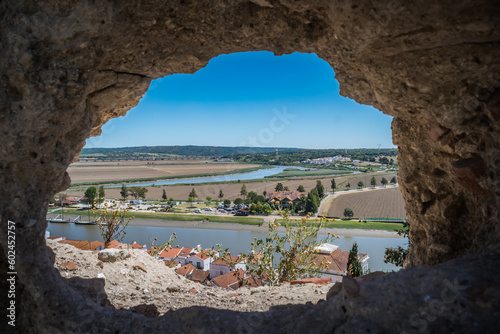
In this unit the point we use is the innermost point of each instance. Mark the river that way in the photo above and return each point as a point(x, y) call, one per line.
point(259, 174)
point(236, 241)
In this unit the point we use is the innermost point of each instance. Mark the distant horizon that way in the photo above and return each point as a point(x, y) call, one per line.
point(253, 99)
point(270, 147)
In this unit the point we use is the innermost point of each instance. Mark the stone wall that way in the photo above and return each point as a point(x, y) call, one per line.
point(68, 67)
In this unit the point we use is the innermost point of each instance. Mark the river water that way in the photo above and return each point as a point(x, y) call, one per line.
point(259, 174)
point(236, 241)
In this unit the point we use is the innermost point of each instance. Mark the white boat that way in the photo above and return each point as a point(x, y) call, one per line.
point(59, 220)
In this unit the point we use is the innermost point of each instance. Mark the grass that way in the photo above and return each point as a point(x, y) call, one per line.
point(151, 179)
point(181, 217)
point(356, 225)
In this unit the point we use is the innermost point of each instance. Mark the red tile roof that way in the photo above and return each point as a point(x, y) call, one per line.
point(185, 252)
point(229, 279)
point(233, 279)
point(170, 263)
point(83, 245)
point(228, 260)
point(285, 195)
point(115, 244)
point(199, 275)
point(169, 253)
point(136, 246)
point(185, 270)
point(338, 260)
point(205, 256)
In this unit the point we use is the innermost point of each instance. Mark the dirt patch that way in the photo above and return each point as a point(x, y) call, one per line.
point(127, 285)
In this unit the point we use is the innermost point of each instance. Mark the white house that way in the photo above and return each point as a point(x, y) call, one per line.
point(337, 261)
point(225, 265)
point(183, 254)
point(202, 261)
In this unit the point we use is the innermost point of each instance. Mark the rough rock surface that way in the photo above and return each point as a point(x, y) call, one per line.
point(161, 286)
point(112, 254)
point(68, 67)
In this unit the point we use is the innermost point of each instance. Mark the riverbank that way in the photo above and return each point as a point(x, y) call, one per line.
point(236, 224)
point(210, 225)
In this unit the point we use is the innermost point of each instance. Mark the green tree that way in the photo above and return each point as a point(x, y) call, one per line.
point(348, 213)
point(243, 191)
point(383, 160)
point(137, 192)
point(393, 180)
point(164, 195)
point(353, 264)
point(142, 192)
point(238, 201)
point(397, 256)
point(279, 187)
point(286, 188)
point(227, 202)
point(101, 194)
point(384, 181)
point(259, 199)
point(301, 189)
point(361, 184)
point(373, 181)
point(285, 255)
point(312, 201)
point(193, 194)
point(252, 197)
point(190, 199)
point(91, 194)
point(221, 194)
point(320, 188)
point(334, 185)
point(348, 186)
point(208, 198)
point(124, 192)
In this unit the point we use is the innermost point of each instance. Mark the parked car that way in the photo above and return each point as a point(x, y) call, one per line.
point(197, 211)
point(242, 213)
point(208, 209)
point(222, 210)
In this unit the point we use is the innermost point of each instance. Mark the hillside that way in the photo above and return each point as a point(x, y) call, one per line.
point(181, 151)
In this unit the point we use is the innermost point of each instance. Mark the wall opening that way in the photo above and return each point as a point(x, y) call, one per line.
point(254, 100)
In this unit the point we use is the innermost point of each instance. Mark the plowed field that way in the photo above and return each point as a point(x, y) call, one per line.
point(113, 173)
point(378, 203)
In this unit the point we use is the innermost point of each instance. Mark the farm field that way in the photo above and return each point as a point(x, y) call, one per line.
point(81, 174)
point(376, 203)
point(230, 190)
point(90, 162)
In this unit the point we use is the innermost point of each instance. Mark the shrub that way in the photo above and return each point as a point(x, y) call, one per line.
point(279, 258)
point(112, 221)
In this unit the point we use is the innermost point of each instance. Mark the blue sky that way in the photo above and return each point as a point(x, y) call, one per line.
point(250, 99)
